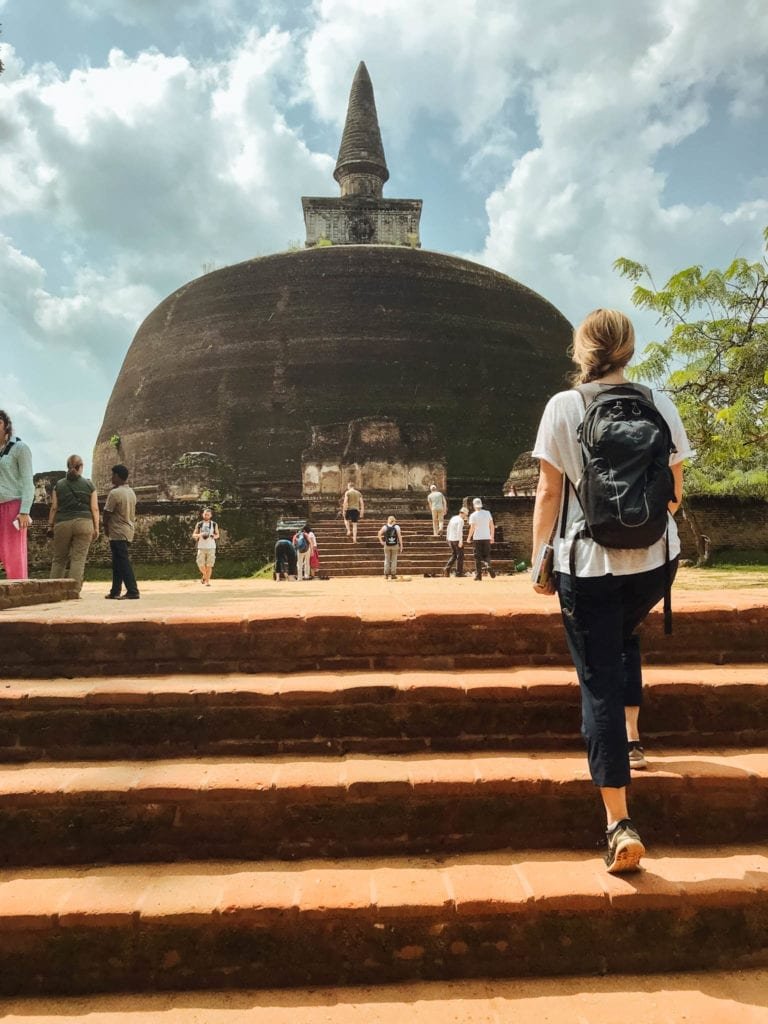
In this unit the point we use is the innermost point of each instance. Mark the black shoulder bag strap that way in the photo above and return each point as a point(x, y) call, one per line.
point(588, 393)
point(8, 447)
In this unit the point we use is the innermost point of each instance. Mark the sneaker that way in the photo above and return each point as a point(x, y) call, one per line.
point(636, 755)
point(129, 597)
point(492, 573)
point(625, 848)
point(111, 597)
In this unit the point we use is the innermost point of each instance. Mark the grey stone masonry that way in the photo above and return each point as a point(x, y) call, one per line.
point(360, 221)
point(361, 216)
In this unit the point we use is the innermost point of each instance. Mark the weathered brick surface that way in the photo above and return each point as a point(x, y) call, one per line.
point(232, 927)
point(198, 923)
point(140, 811)
point(19, 593)
point(363, 712)
point(292, 644)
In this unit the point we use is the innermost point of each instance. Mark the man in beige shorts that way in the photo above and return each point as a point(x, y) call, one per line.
point(206, 534)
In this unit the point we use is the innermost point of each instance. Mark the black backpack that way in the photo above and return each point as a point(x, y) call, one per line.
point(390, 536)
point(626, 484)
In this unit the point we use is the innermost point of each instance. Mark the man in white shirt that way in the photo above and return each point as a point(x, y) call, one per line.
point(481, 533)
point(438, 507)
point(454, 534)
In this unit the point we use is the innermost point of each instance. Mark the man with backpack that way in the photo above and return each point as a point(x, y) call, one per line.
point(302, 542)
point(611, 456)
point(391, 539)
point(206, 533)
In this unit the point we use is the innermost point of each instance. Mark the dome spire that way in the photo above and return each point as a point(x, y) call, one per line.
point(361, 169)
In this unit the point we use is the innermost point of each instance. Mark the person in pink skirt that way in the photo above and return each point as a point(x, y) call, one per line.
point(17, 491)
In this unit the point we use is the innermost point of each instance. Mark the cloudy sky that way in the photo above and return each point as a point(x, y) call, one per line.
point(143, 142)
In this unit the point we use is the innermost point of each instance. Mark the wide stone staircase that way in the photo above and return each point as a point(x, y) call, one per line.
point(287, 801)
point(423, 554)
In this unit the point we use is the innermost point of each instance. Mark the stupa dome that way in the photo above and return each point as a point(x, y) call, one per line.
point(244, 361)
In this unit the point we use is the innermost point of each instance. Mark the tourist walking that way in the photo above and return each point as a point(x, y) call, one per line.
point(73, 522)
point(17, 491)
point(119, 526)
point(438, 507)
point(482, 532)
point(302, 542)
point(206, 533)
point(391, 539)
point(353, 510)
point(286, 560)
point(314, 554)
point(607, 587)
point(454, 534)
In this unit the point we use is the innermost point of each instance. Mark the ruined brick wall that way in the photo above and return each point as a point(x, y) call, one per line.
point(248, 530)
point(730, 523)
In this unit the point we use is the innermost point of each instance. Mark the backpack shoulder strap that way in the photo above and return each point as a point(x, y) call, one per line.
point(645, 392)
point(588, 392)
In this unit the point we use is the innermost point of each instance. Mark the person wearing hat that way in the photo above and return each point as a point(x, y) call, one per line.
point(438, 507)
point(454, 534)
point(481, 534)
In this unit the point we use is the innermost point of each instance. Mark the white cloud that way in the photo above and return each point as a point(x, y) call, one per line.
point(153, 13)
point(591, 191)
point(162, 165)
point(136, 173)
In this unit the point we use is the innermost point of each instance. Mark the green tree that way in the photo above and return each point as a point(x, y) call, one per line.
point(714, 363)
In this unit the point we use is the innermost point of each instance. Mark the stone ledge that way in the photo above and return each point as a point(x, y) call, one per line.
point(18, 593)
point(361, 806)
point(228, 925)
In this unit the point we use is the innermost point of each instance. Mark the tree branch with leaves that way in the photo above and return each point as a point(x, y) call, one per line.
point(714, 364)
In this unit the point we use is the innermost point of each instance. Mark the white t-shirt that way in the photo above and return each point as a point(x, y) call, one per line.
point(557, 443)
point(481, 519)
point(455, 528)
point(436, 501)
point(207, 541)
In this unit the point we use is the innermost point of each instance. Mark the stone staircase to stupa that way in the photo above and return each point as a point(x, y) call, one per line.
point(423, 553)
point(288, 801)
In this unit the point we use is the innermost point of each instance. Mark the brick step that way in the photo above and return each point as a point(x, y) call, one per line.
point(337, 713)
point(20, 593)
point(720, 997)
point(79, 813)
point(291, 639)
point(236, 925)
point(374, 566)
point(357, 554)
